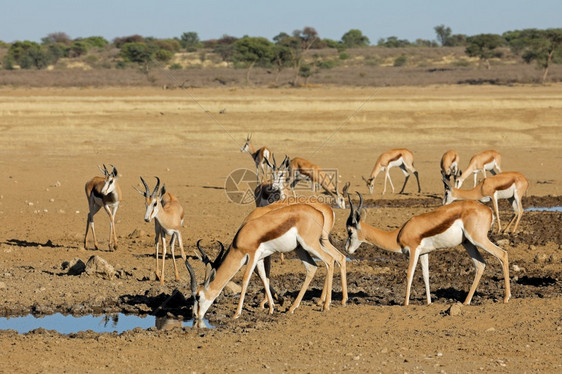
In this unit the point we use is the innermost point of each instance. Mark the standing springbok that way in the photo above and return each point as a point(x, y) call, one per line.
point(103, 192)
point(400, 157)
point(450, 165)
point(300, 168)
point(261, 157)
point(509, 185)
point(296, 227)
point(480, 162)
point(167, 213)
point(462, 222)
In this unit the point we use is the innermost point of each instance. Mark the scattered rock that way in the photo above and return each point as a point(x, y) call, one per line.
point(553, 258)
point(75, 267)
point(99, 267)
point(516, 268)
point(540, 257)
point(455, 309)
point(233, 288)
point(137, 233)
point(2, 286)
point(503, 243)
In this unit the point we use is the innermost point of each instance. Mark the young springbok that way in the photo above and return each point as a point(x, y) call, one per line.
point(103, 192)
point(167, 213)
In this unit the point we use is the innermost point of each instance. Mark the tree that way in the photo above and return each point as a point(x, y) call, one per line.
point(484, 47)
point(28, 54)
point(443, 34)
point(354, 38)
point(281, 58)
point(536, 45)
point(138, 52)
point(393, 42)
point(190, 41)
point(57, 37)
point(253, 51)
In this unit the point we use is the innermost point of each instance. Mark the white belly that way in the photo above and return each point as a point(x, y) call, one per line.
point(285, 243)
point(506, 194)
point(398, 162)
point(490, 165)
point(451, 237)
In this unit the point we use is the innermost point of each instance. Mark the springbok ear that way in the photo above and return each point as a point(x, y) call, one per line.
point(446, 182)
point(114, 172)
point(162, 191)
point(210, 278)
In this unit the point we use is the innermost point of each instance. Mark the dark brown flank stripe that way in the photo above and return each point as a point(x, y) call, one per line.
point(490, 159)
point(434, 231)
point(504, 186)
point(395, 158)
point(442, 227)
point(278, 231)
point(97, 193)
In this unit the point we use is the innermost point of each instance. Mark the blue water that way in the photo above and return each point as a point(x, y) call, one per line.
point(544, 209)
point(70, 324)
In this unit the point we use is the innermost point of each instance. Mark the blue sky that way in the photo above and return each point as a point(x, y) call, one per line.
point(405, 19)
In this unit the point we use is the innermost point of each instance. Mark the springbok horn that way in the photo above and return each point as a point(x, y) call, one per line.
point(220, 257)
point(192, 277)
point(146, 189)
point(155, 192)
point(204, 256)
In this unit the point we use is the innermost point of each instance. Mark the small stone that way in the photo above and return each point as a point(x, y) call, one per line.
point(455, 309)
point(503, 243)
point(491, 329)
point(51, 200)
point(516, 268)
point(99, 267)
point(3, 286)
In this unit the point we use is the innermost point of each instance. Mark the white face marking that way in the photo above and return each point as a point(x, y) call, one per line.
point(352, 242)
point(151, 210)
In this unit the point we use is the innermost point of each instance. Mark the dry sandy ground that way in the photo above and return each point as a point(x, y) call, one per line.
point(53, 139)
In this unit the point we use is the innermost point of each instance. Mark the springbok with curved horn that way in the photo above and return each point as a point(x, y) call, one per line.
point(103, 192)
point(295, 227)
point(261, 157)
point(300, 168)
point(462, 222)
point(480, 162)
point(329, 220)
point(167, 213)
point(509, 185)
point(450, 165)
point(403, 158)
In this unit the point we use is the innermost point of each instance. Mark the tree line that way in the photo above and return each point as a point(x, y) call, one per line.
point(544, 47)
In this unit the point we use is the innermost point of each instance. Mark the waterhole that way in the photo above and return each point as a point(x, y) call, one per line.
point(68, 324)
point(544, 209)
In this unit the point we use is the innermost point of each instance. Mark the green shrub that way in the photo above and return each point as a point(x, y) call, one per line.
point(175, 66)
point(344, 55)
point(400, 61)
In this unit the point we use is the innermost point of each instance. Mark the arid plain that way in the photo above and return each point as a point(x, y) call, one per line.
point(54, 139)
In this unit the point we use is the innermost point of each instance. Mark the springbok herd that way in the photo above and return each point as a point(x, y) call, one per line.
point(283, 222)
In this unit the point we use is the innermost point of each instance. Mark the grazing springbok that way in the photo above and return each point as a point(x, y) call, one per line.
point(103, 192)
point(329, 220)
point(400, 157)
point(300, 168)
point(463, 222)
point(295, 227)
point(480, 162)
point(450, 165)
point(167, 213)
point(261, 157)
point(509, 185)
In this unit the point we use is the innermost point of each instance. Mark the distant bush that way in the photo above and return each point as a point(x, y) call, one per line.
point(343, 55)
point(400, 61)
point(175, 66)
